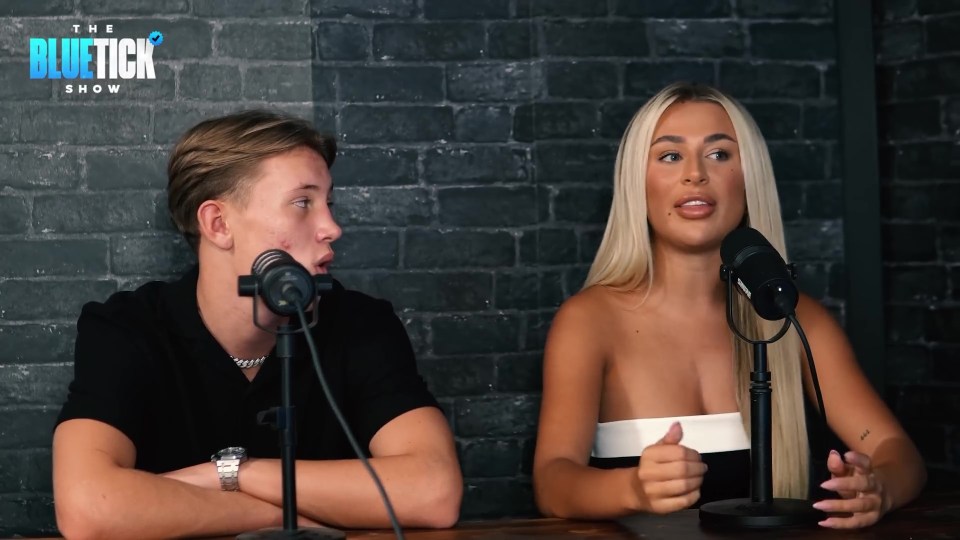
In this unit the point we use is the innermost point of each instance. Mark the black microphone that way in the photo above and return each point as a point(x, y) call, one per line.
point(281, 281)
point(760, 272)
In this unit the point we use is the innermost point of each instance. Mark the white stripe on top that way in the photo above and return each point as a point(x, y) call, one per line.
point(704, 433)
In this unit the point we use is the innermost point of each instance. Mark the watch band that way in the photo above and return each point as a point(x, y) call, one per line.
point(229, 472)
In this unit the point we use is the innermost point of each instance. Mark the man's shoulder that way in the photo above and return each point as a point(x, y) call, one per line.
point(127, 309)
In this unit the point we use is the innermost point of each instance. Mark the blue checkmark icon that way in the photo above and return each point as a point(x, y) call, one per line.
point(156, 38)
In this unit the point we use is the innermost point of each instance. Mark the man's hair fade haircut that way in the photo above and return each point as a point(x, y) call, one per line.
point(219, 157)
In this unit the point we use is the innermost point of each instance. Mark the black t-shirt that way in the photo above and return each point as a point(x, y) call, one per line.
point(146, 365)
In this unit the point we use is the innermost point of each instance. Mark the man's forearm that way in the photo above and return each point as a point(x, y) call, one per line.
point(424, 492)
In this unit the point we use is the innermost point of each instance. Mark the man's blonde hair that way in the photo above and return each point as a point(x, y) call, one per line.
point(625, 261)
point(219, 157)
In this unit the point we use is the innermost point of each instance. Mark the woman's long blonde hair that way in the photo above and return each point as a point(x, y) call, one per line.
point(625, 261)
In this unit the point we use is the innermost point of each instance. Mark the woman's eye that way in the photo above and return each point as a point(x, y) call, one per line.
point(719, 155)
point(670, 157)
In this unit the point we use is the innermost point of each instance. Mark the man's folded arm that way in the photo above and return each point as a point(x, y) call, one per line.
point(98, 494)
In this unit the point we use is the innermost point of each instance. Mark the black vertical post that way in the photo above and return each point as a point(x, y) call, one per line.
point(761, 458)
point(287, 425)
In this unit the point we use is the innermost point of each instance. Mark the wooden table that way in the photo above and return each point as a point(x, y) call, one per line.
point(932, 517)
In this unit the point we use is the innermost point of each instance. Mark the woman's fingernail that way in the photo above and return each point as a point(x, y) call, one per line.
point(818, 505)
point(834, 453)
point(829, 484)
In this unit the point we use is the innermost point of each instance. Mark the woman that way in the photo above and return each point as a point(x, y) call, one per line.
point(641, 362)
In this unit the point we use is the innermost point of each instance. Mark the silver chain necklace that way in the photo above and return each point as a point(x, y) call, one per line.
point(243, 363)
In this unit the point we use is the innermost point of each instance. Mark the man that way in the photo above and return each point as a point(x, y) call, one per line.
point(173, 373)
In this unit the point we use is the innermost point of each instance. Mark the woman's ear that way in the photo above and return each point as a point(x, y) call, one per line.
point(213, 226)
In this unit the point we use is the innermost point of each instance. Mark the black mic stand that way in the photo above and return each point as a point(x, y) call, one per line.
point(283, 419)
point(761, 510)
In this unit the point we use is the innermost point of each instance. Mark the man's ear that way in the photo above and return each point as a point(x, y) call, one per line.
point(213, 224)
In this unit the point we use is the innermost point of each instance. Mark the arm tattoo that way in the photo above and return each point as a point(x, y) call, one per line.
point(864, 434)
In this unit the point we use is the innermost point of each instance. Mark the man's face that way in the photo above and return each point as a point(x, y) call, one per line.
point(286, 207)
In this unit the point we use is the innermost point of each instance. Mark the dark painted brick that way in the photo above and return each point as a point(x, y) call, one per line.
point(460, 376)
point(815, 240)
point(98, 124)
point(537, 327)
point(943, 324)
point(483, 124)
point(163, 88)
point(778, 120)
point(14, 215)
point(929, 7)
point(132, 7)
point(483, 458)
point(922, 284)
point(497, 415)
point(475, 334)
point(488, 206)
point(378, 9)
point(904, 323)
point(36, 343)
point(367, 249)
point(785, 8)
point(942, 34)
point(520, 372)
point(560, 8)
point(519, 289)
point(209, 82)
point(10, 119)
point(907, 202)
point(498, 498)
point(952, 114)
point(25, 89)
point(436, 292)
point(265, 41)
point(30, 515)
point(445, 249)
point(945, 363)
point(824, 200)
point(909, 242)
point(375, 167)
point(20, 8)
point(813, 278)
point(556, 246)
point(582, 79)
point(511, 40)
point(928, 404)
point(582, 205)
point(589, 244)
point(798, 161)
point(493, 82)
point(575, 162)
point(395, 123)
point(891, 10)
point(700, 39)
point(288, 83)
point(478, 9)
point(39, 169)
point(30, 427)
point(248, 9)
point(930, 439)
point(415, 83)
point(907, 364)
point(28, 471)
point(566, 120)
point(477, 164)
point(927, 160)
point(36, 384)
point(105, 212)
point(168, 255)
point(126, 169)
point(909, 120)
point(428, 41)
point(791, 200)
point(182, 37)
point(382, 206)
point(928, 77)
point(64, 298)
point(704, 9)
point(769, 80)
point(793, 41)
point(342, 41)
point(417, 331)
point(33, 258)
point(551, 296)
point(171, 121)
point(900, 41)
point(615, 116)
point(644, 79)
point(831, 82)
point(820, 121)
point(595, 39)
point(946, 201)
point(950, 243)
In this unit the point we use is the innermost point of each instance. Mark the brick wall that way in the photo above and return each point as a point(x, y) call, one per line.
point(918, 57)
point(477, 147)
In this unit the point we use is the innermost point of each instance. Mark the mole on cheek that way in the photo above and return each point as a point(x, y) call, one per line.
point(285, 244)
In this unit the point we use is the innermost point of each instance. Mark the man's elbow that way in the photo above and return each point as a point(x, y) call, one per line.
point(77, 520)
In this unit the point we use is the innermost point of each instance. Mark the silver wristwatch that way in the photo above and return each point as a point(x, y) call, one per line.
point(228, 463)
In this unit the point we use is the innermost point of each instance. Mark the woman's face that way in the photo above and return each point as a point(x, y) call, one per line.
point(695, 191)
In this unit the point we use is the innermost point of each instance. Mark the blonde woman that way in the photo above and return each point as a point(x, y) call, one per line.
point(645, 405)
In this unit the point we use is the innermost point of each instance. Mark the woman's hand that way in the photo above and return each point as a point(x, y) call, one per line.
point(862, 495)
point(669, 475)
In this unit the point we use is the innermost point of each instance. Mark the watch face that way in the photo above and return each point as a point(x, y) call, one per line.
point(231, 452)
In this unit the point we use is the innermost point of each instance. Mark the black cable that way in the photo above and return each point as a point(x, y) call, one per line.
point(343, 422)
point(824, 427)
